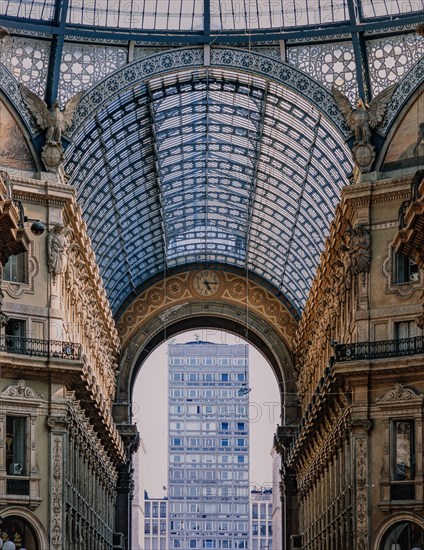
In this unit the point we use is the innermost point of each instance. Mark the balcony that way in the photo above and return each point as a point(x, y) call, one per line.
point(39, 348)
point(379, 350)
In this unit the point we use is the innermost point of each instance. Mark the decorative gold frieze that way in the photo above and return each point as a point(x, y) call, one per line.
point(179, 290)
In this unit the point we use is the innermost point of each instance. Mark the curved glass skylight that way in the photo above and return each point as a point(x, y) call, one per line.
point(207, 15)
point(211, 167)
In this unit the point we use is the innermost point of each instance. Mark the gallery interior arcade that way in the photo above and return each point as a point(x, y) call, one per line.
point(277, 148)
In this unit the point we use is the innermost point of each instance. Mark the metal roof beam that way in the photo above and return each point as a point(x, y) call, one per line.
point(56, 49)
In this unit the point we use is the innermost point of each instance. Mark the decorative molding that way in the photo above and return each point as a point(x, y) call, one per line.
point(399, 393)
point(20, 391)
point(11, 89)
point(404, 290)
point(184, 59)
point(361, 475)
point(56, 499)
point(17, 290)
point(177, 290)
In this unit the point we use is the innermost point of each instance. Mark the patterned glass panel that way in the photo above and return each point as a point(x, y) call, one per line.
point(138, 14)
point(27, 60)
point(329, 64)
point(266, 14)
point(83, 65)
point(391, 58)
point(380, 8)
point(30, 9)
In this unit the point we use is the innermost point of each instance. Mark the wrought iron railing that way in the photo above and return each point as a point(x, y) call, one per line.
point(17, 486)
point(379, 350)
point(39, 348)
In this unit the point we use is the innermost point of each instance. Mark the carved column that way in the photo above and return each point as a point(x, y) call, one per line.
point(58, 430)
point(125, 484)
point(288, 487)
point(360, 429)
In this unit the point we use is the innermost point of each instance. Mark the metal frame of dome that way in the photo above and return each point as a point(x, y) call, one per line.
point(211, 22)
point(225, 166)
point(219, 168)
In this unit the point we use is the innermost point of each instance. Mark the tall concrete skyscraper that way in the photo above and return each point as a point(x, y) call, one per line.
point(208, 446)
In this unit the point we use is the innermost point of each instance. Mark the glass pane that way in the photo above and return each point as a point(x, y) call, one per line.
point(403, 451)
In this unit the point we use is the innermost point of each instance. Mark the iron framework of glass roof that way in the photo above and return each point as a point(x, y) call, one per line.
point(223, 166)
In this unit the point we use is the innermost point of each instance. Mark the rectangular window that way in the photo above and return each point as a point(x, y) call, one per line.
point(15, 331)
point(16, 443)
point(404, 331)
point(403, 450)
point(406, 270)
point(162, 510)
point(15, 268)
point(225, 442)
point(225, 377)
point(147, 509)
point(241, 426)
point(224, 426)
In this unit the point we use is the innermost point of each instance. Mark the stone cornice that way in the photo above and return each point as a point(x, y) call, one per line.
point(81, 427)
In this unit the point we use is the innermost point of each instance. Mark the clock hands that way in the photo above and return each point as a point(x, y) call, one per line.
point(209, 283)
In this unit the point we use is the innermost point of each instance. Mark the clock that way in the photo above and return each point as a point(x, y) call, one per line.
point(206, 282)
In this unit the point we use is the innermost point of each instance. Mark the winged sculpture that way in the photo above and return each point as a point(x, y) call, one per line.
point(365, 117)
point(53, 120)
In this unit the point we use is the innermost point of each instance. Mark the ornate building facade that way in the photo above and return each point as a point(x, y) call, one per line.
point(209, 169)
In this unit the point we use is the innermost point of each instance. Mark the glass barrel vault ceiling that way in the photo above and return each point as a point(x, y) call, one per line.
point(212, 167)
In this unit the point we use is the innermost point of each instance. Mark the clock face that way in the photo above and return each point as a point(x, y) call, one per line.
point(206, 283)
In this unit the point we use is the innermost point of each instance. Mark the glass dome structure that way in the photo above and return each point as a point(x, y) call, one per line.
point(208, 134)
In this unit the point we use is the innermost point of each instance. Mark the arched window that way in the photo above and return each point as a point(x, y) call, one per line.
point(19, 532)
point(404, 535)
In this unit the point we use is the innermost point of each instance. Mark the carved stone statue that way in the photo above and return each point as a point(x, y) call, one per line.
point(357, 249)
point(54, 121)
point(57, 246)
point(362, 120)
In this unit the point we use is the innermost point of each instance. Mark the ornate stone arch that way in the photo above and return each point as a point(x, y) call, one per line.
point(172, 306)
point(33, 521)
point(9, 89)
point(392, 520)
point(232, 59)
point(406, 95)
point(23, 125)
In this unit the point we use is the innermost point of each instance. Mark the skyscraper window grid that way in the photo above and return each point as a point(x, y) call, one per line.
point(208, 446)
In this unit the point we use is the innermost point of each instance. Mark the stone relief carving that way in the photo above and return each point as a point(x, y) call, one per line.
point(361, 494)
point(20, 390)
point(57, 247)
point(399, 393)
point(356, 251)
point(56, 492)
point(362, 121)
